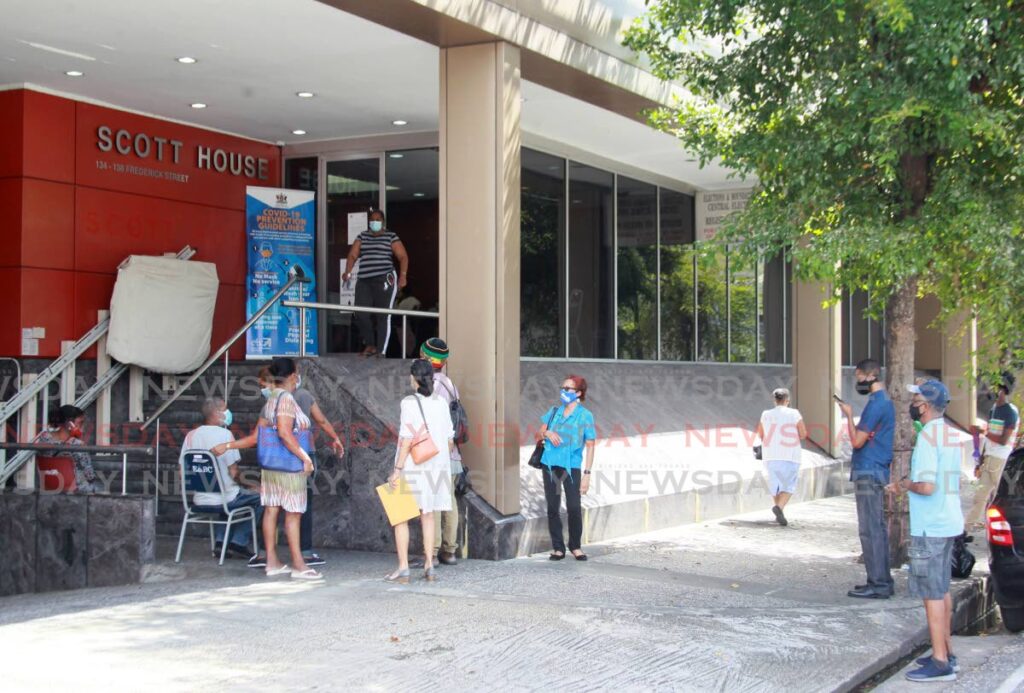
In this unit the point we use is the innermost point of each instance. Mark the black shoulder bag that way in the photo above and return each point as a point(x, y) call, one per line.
point(538, 452)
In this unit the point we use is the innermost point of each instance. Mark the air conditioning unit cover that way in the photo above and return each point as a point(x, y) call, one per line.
point(161, 313)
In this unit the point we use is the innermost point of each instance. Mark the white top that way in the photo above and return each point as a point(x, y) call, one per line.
point(204, 438)
point(997, 427)
point(781, 441)
point(431, 481)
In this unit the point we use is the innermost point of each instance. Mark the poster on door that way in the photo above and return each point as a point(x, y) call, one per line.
point(280, 230)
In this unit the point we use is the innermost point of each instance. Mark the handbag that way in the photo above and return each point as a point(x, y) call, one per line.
point(423, 447)
point(757, 452)
point(271, 452)
point(538, 452)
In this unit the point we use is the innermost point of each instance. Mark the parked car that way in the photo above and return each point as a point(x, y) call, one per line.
point(1006, 542)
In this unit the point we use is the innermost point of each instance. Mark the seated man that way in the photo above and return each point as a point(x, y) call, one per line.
point(212, 433)
point(66, 429)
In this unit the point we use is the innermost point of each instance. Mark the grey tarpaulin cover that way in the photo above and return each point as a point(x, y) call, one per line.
point(161, 313)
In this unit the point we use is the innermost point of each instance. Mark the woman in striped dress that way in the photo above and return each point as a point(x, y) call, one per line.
point(377, 282)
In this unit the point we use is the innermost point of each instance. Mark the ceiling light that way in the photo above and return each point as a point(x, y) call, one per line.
point(298, 132)
point(74, 73)
point(305, 94)
point(198, 105)
point(396, 155)
point(60, 51)
point(399, 122)
point(417, 194)
point(186, 60)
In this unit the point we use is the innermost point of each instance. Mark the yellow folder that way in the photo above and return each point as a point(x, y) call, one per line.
point(399, 503)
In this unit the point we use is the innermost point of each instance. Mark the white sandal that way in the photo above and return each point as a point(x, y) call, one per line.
point(272, 572)
point(308, 574)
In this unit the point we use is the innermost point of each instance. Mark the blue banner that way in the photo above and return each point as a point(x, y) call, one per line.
point(280, 232)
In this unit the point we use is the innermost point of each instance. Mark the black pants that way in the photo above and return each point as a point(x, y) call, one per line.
point(306, 524)
point(555, 479)
point(874, 535)
point(376, 292)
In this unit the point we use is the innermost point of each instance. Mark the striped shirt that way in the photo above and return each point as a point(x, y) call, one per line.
point(375, 255)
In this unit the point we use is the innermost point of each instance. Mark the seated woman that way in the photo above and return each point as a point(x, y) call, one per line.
point(66, 429)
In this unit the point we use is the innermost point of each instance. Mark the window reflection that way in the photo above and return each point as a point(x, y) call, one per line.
point(637, 269)
point(743, 309)
point(677, 276)
point(542, 255)
point(591, 257)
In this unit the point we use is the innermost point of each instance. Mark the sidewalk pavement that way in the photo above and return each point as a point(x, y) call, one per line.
point(739, 604)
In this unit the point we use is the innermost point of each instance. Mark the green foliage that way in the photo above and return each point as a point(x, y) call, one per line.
point(886, 139)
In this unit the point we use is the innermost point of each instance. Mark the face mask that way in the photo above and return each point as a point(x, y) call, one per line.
point(298, 382)
point(376, 226)
point(568, 396)
point(864, 386)
point(228, 418)
point(915, 412)
point(265, 391)
point(75, 431)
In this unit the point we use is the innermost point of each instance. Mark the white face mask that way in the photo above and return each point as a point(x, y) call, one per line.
point(298, 382)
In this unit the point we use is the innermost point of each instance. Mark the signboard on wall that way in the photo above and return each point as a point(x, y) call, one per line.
point(279, 237)
point(714, 207)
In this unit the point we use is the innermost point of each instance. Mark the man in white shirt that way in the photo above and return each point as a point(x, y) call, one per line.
point(997, 444)
point(781, 429)
point(214, 432)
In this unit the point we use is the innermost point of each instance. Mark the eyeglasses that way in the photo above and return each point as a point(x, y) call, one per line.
point(570, 389)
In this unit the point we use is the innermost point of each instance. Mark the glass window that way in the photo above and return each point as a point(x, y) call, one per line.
point(591, 263)
point(775, 310)
point(862, 336)
point(352, 186)
point(637, 278)
point(677, 276)
point(712, 307)
point(542, 255)
point(412, 212)
point(743, 309)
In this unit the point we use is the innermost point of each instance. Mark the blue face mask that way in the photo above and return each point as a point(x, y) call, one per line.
point(568, 396)
point(376, 226)
point(228, 418)
point(265, 391)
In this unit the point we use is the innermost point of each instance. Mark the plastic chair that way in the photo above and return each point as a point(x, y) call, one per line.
point(201, 473)
point(57, 474)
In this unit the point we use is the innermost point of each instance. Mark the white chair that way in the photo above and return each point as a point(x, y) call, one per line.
point(201, 473)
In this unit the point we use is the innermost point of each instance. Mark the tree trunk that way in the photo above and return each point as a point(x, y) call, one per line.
point(899, 372)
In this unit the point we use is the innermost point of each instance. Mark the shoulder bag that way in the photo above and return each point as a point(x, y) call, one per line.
point(423, 447)
point(271, 451)
point(538, 452)
point(460, 421)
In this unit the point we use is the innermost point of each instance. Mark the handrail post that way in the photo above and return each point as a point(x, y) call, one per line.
point(302, 327)
point(156, 493)
point(405, 331)
point(124, 473)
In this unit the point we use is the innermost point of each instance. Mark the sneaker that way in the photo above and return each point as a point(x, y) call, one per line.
point(932, 671)
point(313, 558)
point(779, 517)
point(921, 661)
point(258, 561)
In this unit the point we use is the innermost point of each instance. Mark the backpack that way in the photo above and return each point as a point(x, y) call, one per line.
point(963, 560)
point(460, 421)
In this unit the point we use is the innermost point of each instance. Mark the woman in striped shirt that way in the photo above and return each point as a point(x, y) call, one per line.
point(376, 250)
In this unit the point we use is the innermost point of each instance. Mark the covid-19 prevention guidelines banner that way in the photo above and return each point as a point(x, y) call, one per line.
point(279, 236)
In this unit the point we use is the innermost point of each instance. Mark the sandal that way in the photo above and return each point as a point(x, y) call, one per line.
point(307, 574)
point(428, 574)
point(271, 572)
point(400, 577)
point(580, 556)
point(556, 556)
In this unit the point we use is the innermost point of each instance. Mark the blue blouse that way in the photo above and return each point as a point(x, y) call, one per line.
point(574, 430)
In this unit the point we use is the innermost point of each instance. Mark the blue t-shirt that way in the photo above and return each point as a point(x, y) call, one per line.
point(574, 431)
point(936, 460)
point(878, 420)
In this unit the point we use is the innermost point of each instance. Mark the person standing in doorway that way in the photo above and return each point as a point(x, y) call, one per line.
point(781, 429)
point(1003, 421)
point(376, 249)
point(936, 520)
point(872, 441)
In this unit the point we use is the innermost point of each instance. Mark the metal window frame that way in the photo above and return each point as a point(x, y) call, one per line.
point(615, 265)
point(657, 272)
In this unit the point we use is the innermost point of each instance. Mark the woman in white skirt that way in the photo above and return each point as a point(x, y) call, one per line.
point(430, 482)
point(781, 430)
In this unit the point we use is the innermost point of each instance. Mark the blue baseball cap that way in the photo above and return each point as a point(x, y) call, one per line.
point(933, 391)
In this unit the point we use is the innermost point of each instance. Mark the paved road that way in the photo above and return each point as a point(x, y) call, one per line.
point(988, 664)
point(735, 605)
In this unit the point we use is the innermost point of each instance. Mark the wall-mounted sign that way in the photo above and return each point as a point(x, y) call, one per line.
point(141, 145)
point(713, 208)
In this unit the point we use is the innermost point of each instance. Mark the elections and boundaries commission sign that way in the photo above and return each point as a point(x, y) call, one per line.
point(279, 236)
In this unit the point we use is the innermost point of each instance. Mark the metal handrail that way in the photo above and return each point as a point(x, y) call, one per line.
point(297, 278)
point(342, 308)
point(146, 450)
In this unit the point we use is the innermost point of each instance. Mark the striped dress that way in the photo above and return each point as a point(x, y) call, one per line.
point(284, 489)
point(375, 254)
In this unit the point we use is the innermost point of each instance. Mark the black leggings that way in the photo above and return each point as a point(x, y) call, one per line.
point(555, 479)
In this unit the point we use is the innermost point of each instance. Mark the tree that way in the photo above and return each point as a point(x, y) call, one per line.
point(885, 139)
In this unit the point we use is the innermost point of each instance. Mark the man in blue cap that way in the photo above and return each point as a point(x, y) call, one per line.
point(935, 521)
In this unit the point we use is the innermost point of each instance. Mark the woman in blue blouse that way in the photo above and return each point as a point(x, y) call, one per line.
point(567, 429)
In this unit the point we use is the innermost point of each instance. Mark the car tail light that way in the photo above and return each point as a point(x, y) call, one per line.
point(999, 532)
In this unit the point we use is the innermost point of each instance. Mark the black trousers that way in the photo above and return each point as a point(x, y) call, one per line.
point(555, 480)
point(376, 292)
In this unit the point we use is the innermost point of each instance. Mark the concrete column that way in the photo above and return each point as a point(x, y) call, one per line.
point(959, 368)
point(817, 364)
point(479, 258)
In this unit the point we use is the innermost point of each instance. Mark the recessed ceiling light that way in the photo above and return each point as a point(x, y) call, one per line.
point(298, 132)
point(399, 122)
point(396, 155)
point(417, 194)
point(186, 60)
point(199, 105)
point(305, 94)
point(74, 73)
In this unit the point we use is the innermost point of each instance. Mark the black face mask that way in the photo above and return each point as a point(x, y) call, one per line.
point(864, 386)
point(915, 412)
